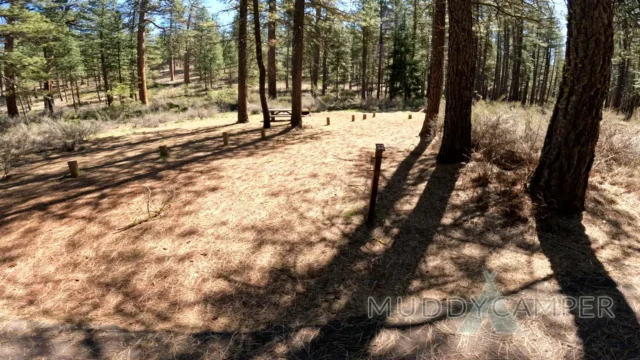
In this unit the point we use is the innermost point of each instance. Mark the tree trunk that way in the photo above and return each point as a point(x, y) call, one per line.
point(10, 76)
point(105, 73)
point(456, 139)
point(517, 61)
point(380, 51)
point(315, 68)
point(436, 69)
point(534, 84)
point(561, 177)
point(296, 63)
point(325, 71)
point(243, 116)
point(263, 72)
point(286, 63)
point(498, 75)
point(623, 71)
point(187, 53)
point(545, 78)
point(142, 75)
point(363, 81)
point(271, 54)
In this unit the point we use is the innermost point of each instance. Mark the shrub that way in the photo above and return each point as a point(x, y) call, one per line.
point(14, 143)
point(67, 134)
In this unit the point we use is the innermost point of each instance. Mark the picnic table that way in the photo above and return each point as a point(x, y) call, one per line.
point(283, 113)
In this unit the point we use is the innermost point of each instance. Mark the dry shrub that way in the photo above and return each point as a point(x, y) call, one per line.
point(508, 138)
point(618, 155)
point(66, 134)
point(14, 143)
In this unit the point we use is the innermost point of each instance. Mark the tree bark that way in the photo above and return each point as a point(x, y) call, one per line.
point(142, 76)
point(456, 139)
point(315, 68)
point(545, 79)
point(187, 52)
point(9, 73)
point(436, 69)
point(363, 79)
point(263, 72)
point(296, 63)
point(561, 177)
point(243, 116)
point(271, 54)
point(517, 61)
point(534, 85)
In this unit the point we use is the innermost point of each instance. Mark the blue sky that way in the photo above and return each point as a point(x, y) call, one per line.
point(218, 7)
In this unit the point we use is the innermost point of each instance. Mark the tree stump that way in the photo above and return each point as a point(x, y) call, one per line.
point(328, 121)
point(74, 170)
point(353, 118)
point(374, 114)
point(263, 134)
point(364, 116)
point(225, 138)
point(164, 151)
point(410, 116)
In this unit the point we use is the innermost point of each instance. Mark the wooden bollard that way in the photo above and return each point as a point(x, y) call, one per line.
point(164, 151)
point(410, 116)
point(374, 114)
point(364, 116)
point(328, 121)
point(225, 138)
point(74, 170)
point(371, 216)
point(353, 118)
point(263, 134)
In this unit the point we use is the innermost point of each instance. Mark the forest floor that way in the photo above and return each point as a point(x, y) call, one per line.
point(259, 249)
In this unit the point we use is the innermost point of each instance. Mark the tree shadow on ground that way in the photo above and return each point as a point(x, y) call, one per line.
point(390, 276)
point(580, 274)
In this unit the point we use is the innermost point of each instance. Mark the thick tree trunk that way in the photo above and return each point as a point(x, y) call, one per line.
point(271, 53)
point(456, 139)
point(296, 63)
point(243, 116)
point(142, 76)
point(436, 69)
point(561, 177)
point(263, 72)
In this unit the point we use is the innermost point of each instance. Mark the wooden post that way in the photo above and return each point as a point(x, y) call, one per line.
point(371, 216)
point(225, 138)
point(164, 151)
point(353, 118)
point(364, 116)
point(374, 114)
point(74, 170)
point(410, 116)
point(263, 134)
point(328, 121)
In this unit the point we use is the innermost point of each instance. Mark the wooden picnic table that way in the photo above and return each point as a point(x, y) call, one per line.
point(283, 113)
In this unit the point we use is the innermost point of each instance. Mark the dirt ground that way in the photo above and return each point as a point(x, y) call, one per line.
point(259, 250)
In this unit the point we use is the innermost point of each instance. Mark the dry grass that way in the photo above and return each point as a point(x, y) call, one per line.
point(262, 252)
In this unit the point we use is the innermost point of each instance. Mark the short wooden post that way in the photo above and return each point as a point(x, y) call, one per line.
point(353, 118)
point(263, 134)
point(374, 114)
point(225, 138)
point(371, 216)
point(410, 116)
point(74, 170)
point(164, 151)
point(364, 116)
point(328, 121)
